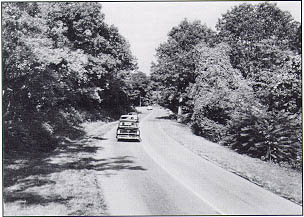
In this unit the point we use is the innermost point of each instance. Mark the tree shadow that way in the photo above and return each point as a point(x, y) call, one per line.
point(22, 176)
point(30, 198)
point(99, 138)
point(167, 117)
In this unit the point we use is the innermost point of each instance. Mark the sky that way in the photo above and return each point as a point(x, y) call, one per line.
point(146, 24)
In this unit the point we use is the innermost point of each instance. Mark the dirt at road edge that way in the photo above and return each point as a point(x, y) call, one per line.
point(63, 182)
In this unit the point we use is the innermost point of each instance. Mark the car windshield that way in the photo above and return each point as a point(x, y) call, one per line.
point(127, 124)
point(125, 117)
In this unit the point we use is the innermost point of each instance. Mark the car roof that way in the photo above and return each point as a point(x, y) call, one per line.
point(128, 121)
point(128, 118)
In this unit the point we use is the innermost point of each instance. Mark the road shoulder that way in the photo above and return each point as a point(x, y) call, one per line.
point(63, 182)
point(282, 181)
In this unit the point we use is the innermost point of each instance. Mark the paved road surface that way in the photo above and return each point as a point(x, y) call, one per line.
point(158, 176)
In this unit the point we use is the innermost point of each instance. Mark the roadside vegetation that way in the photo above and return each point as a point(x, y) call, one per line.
point(239, 86)
point(140, 94)
point(62, 65)
point(284, 181)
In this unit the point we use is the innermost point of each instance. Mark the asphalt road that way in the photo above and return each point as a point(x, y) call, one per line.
point(158, 176)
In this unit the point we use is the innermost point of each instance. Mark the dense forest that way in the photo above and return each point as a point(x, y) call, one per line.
point(240, 85)
point(62, 65)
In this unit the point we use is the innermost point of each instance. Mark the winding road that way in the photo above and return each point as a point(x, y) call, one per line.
point(158, 176)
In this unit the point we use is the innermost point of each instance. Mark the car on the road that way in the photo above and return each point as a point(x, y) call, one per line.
point(128, 130)
point(134, 115)
point(149, 108)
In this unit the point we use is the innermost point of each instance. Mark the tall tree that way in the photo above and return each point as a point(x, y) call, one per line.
point(175, 66)
point(59, 58)
point(247, 24)
point(217, 90)
point(139, 88)
point(265, 48)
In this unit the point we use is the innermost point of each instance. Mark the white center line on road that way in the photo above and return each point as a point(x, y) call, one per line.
point(157, 161)
point(161, 164)
point(226, 192)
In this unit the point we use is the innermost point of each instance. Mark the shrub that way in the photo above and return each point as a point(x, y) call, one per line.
point(29, 137)
point(207, 128)
point(274, 136)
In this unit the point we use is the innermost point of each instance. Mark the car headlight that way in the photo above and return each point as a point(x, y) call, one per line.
point(118, 131)
point(137, 132)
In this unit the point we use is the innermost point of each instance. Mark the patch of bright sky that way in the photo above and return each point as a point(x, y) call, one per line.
point(146, 24)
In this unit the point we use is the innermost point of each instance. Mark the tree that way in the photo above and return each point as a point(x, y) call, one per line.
point(265, 48)
point(139, 88)
point(59, 60)
point(217, 90)
point(175, 66)
point(265, 41)
point(246, 24)
point(226, 109)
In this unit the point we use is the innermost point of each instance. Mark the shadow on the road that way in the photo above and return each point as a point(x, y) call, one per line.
point(167, 117)
point(99, 138)
point(24, 177)
point(129, 140)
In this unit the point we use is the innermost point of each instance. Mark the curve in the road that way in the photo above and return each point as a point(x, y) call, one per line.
point(175, 181)
point(226, 192)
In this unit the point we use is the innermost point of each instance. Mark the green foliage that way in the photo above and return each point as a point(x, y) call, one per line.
point(279, 87)
point(274, 136)
point(253, 23)
point(175, 66)
point(263, 121)
point(241, 87)
point(60, 59)
point(139, 89)
point(246, 25)
point(216, 91)
point(265, 46)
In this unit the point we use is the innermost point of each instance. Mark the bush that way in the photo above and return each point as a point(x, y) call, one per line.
point(29, 137)
point(273, 136)
point(207, 128)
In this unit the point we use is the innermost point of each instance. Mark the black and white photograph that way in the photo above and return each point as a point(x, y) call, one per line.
point(152, 108)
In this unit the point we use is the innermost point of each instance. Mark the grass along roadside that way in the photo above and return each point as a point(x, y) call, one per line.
point(282, 181)
point(62, 182)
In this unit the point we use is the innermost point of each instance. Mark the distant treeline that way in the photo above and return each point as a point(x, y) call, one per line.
point(62, 65)
point(241, 85)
